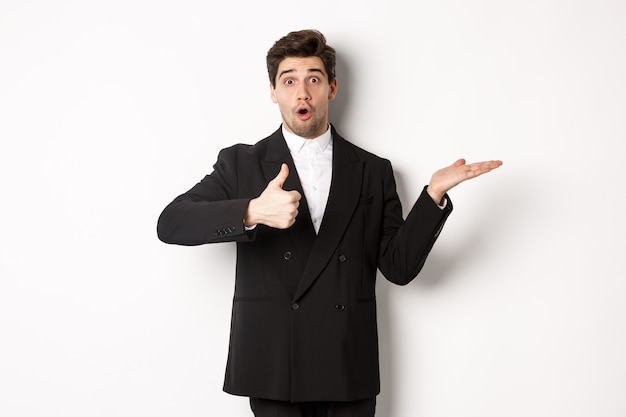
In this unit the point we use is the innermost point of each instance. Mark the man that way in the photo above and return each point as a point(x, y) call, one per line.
point(314, 217)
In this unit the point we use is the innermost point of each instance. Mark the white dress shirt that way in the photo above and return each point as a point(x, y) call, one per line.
point(314, 162)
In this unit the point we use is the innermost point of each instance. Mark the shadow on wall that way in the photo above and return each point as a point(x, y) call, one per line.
point(441, 267)
point(497, 213)
point(340, 104)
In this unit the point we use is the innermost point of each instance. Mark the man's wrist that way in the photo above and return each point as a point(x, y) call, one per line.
point(250, 220)
point(438, 198)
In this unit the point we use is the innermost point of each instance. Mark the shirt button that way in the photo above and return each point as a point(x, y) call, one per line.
point(342, 258)
point(340, 307)
point(287, 255)
point(295, 306)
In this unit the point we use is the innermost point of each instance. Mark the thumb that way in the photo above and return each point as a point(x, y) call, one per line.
point(459, 162)
point(282, 175)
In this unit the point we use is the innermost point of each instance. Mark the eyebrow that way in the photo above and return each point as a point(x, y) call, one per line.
point(309, 71)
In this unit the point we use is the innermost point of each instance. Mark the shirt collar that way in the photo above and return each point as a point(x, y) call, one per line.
point(295, 143)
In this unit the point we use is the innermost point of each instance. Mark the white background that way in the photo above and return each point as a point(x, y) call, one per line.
point(109, 109)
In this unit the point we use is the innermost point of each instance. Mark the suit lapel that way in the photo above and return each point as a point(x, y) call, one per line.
point(344, 195)
point(302, 233)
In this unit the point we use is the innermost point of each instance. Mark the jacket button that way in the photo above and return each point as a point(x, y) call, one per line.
point(287, 255)
point(340, 307)
point(342, 258)
point(295, 306)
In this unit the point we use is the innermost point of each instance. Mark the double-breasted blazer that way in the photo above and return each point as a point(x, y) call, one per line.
point(303, 324)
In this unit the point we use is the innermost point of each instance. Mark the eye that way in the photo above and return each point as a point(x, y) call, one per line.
point(288, 81)
point(314, 79)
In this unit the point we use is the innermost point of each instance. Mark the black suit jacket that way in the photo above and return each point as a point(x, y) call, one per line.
point(304, 310)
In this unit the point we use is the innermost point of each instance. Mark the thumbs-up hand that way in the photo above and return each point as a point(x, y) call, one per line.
point(275, 207)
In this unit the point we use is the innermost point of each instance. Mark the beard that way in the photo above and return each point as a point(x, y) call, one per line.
point(310, 128)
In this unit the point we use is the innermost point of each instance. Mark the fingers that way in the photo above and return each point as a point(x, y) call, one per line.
point(479, 168)
point(487, 165)
point(296, 197)
point(280, 179)
point(492, 164)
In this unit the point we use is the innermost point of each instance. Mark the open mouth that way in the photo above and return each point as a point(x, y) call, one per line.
point(303, 113)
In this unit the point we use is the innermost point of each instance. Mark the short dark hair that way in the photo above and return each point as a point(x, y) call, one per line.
point(303, 43)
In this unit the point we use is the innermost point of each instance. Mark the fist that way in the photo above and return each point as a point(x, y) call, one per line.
point(275, 207)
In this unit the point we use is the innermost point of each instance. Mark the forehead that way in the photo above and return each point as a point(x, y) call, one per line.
point(305, 65)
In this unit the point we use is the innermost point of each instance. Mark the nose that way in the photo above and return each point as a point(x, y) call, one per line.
point(303, 93)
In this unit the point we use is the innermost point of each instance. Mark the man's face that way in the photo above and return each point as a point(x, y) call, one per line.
point(302, 92)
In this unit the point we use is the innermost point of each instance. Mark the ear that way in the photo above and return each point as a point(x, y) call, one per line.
point(273, 93)
point(333, 89)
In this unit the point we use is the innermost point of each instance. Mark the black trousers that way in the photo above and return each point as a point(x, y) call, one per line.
point(271, 408)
